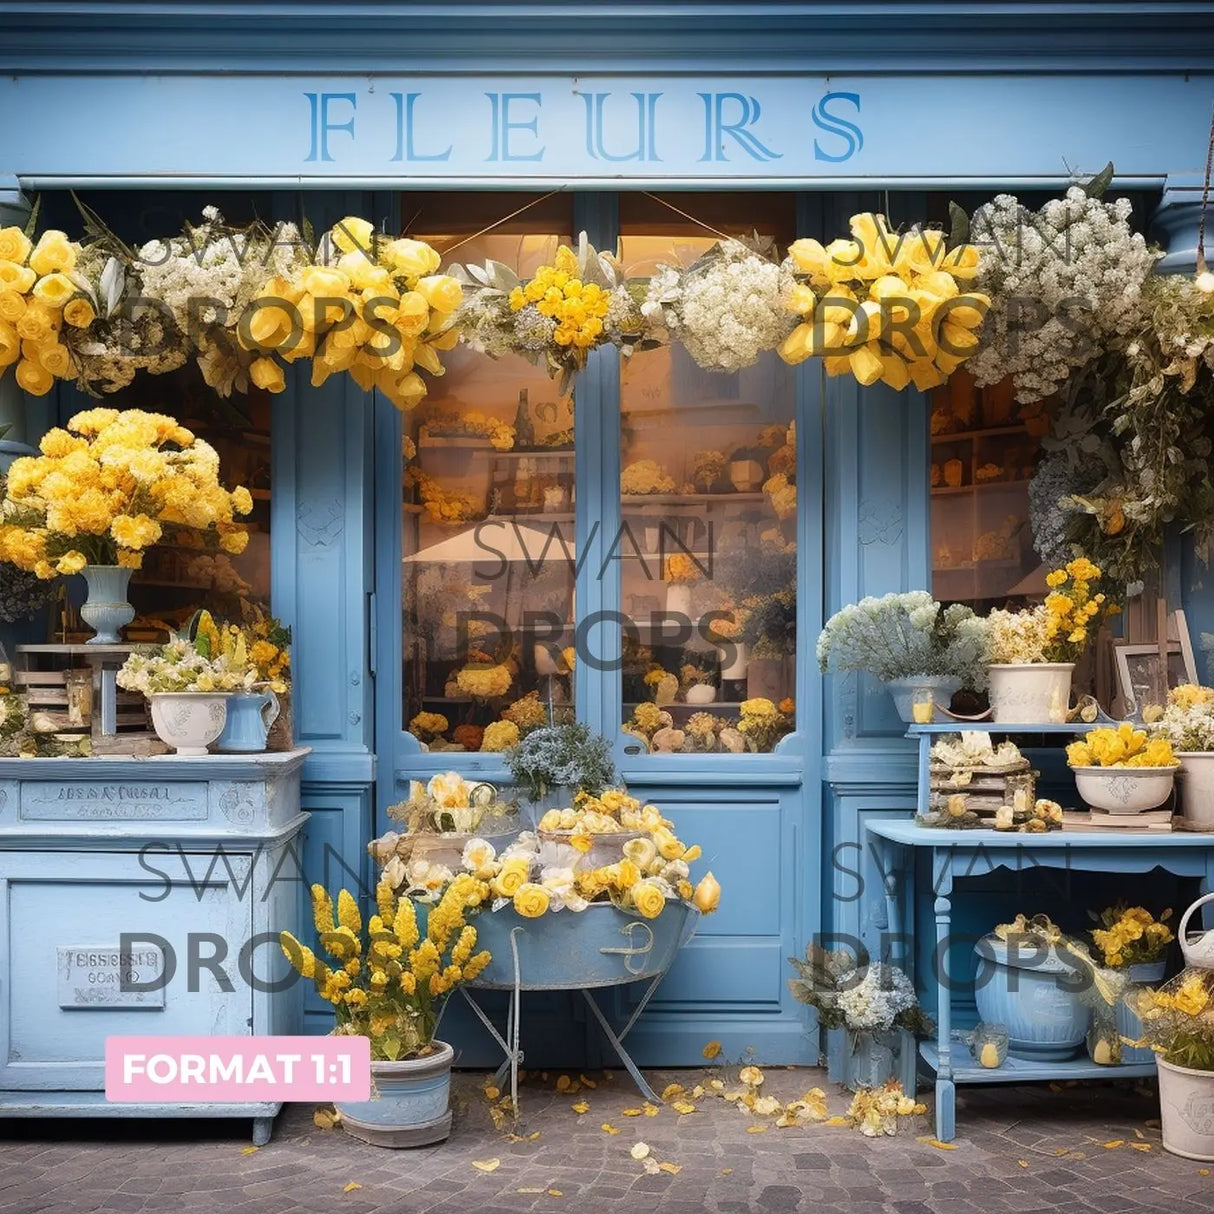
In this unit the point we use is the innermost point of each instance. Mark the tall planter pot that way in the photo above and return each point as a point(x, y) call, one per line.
point(1197, 788)
point(1030, 693)
point(106, 609)
point(870, 1059)
point(1186, 1110)
point(409, 1105)
point(188, 721)
point(1148, 973)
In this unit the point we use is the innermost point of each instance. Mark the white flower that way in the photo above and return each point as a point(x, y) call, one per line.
point(449, 790)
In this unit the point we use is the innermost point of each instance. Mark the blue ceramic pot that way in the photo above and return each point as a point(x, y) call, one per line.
point(1037, 996)
point(106, 609)
point(410, 1105)
point(250, 715)
point(1149, 973)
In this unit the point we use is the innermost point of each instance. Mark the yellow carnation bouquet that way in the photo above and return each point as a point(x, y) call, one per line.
point(373, 307)
point(40, 292)
point(387, 981)
point(1178, 1018)
point(885, 306)
point(107, 486)
point(1131, 935)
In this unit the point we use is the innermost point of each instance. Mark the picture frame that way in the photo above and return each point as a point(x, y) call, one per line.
point(1138, 671)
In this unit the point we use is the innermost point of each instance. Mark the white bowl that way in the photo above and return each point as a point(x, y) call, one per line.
point(1124, 790)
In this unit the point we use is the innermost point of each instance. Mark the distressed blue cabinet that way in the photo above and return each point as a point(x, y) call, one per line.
point(142, 897)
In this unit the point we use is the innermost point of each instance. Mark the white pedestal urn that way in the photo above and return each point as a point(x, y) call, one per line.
point(1124, 790)
point(188, 721)
point(106, 609)
point(1186, 1110)
point(410, 1105)
point(1030, 693)
point(1197, 788)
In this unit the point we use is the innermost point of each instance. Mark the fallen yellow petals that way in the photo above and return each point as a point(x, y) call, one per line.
point(1024, 1163)
point(1113, 1142)
point(249, 1150)
point(712, 1050)
point(607, 1128)
point(1140, 1146)
point(325, 1119)
point(927, 1140)
point(351, 1187)
point(651, 1110)
point(639, 1151)
point(1055, 1087)
point(839, 1121)
point(588, 1083)
point(1203, 1171)
point(727, 1171)
point(539, 1189)
point(756, 1129)
point(697, 1091)
point(717, 1085)
point(765, 1106)
point(631, 1112)
point(1061, 1151)
point(751, 1076)
point(673, 1168)
point(671, 1090)
point(563, 1083)
point(499, 1118)
point(555, 1193)
point(486, 1165)
point(492, 1093)
point(651, 1166)
point(581, 1107)
point(683, 1106)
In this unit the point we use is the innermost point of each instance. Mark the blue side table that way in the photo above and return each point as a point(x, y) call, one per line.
point(960, 855)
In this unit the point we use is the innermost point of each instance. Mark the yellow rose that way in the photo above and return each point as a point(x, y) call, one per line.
point(16, 278)
point(441, 292)
point(266, 373)
point(34, 378)
point(668, 846)
point(10, 344)
point(54, 290)
point(55, 358)
point(412, 258)
point(325, 282)
point(707, 896)
point(37, 322)
point(71, 562)
point(79, 312)
point(53, 252)
point(512, 877)
point(12, 305)
point(352, 234)
point(14, 244)
point(648, 899)
point(531, 900)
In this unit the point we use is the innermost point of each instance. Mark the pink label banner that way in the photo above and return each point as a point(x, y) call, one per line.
point(226, 1070)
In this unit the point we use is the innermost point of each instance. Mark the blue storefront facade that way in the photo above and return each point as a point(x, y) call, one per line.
point(340, 110)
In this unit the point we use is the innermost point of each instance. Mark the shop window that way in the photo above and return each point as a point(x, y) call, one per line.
point(984, 451)
point(708, 510)
point(488, 525)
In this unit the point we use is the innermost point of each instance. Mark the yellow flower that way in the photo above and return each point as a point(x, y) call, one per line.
point(53, 252)
point(79, 312)
point(71, 562)
point(54, 290)
point(12, 305)
point(442, 292)
point(707, 896)
point(268, 374)
point(14, 244)
point(34, 378)
point(347, 911)
point(353, 233)
point(512, 877)
point(531, 900)
point(411, 258)
point(499, 736)
point(648, 899)
point(135, 531)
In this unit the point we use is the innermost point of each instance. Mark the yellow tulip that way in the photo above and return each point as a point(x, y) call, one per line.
point(947, 363)
point(14, 277)
point(963, 262)
point(876, 243)
point(707, 896)
point(15, 245)
point(957, 340)
point(364, 273)
point(52, 252)
point(802, 300)
point(325, 282)
point(925, 375)
point(968, 310)
point(33, 378)
point(266, 373)
point(938, 283)
point(837, 308)
point(843, 256)
point(412, 258)
point(895, 371)
point(797, 346)
point(426, 357)
point(54, 290)
point(866, 364)
point(353, 233)
point(867, 323)
point(412, 315)
point(837, 364)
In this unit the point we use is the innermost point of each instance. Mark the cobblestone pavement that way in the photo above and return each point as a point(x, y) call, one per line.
point(1022, 1149)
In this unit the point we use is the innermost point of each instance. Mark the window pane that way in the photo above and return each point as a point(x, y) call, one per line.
point(488, 570)
point(984, 449)
point(709, 506)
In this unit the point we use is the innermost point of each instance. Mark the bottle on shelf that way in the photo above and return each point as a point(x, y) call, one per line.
point(524, 430)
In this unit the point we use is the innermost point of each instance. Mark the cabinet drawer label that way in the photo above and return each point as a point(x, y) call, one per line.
point(124, 800)
point(103, 976)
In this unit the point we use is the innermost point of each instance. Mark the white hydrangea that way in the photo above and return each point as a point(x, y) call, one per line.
point(872, 997)
point(1064, 281)
point(726, 310)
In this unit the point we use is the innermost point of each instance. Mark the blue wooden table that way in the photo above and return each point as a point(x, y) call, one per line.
point(961, 855)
